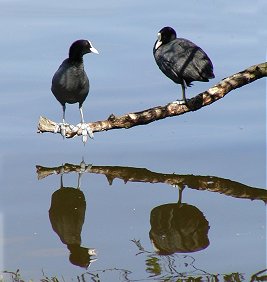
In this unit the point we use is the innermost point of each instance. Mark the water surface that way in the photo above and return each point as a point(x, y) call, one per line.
point(226, 140)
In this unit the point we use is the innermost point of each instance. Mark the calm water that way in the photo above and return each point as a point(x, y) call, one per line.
point(213, 230)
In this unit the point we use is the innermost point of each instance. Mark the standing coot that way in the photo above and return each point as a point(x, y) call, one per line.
point(70, 83)
point(181, 60)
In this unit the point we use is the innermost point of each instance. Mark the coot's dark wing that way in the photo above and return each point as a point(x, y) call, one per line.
point(70, 83)
point(181, 59)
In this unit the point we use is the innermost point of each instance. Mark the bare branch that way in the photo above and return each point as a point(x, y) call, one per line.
point(172, 109)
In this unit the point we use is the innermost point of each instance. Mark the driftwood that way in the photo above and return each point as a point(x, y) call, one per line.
point(133, 174)
point(172, 109)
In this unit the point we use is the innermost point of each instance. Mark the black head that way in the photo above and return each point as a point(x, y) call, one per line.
point(165, 35)
point(80, 48)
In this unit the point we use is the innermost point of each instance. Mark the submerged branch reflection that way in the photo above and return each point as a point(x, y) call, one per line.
point(134, 174)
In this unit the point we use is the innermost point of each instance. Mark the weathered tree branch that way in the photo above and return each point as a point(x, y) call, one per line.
point(172, 109)
point(133, 174)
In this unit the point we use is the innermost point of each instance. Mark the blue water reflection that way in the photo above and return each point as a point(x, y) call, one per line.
point(226, 139)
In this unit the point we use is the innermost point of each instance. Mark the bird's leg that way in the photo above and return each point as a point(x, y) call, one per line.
point(61, 181)
point(62, 125)
point(80, 173)
point(79, 180)
point(81, 112)
point(86, 130)
point(183, 92)
point(64, 111)
point(61, 176)
point(183, 101)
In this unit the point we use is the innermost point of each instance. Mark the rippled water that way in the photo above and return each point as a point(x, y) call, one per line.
point(138, 227)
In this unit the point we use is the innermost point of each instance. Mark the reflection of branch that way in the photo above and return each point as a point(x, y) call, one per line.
point(153, 114)
point(43, 172)
point(133, 174)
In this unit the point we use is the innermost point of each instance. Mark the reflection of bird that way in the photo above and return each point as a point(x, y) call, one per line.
point(70, 83)
point(181, 60)
point(178, 228)
point(67, 213)
point(81, 256)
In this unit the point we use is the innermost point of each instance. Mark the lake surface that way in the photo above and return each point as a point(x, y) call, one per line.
point(128, 210)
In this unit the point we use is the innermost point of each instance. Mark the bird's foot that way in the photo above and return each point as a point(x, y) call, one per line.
point(61, 127)
point(86, 131)
point(180, 102)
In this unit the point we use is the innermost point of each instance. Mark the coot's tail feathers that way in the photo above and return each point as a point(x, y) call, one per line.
point(206, 74)
point(189, 84)
point(205, 77)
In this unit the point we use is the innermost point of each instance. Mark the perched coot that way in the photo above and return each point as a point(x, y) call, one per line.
point(181, 60)
point(70, 83)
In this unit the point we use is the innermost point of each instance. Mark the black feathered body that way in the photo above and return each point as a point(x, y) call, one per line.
point(182, 60)
point(70, 83)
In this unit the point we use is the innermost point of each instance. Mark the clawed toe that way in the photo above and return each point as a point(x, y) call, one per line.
point(61, 127)
point(84, 127)
point(86, 131)
point(180, 102)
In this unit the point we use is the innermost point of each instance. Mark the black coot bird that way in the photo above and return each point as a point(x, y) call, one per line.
point(181, 60)
point(70, 83)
